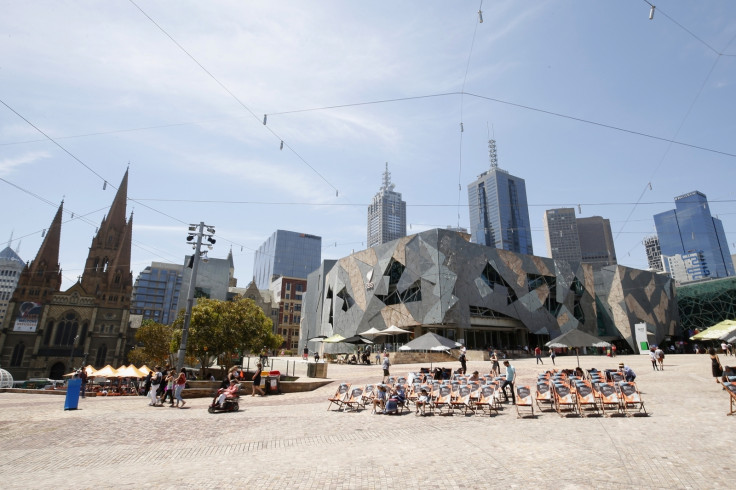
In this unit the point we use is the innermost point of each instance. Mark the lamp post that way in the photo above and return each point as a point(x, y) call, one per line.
point(198, 232)
point(71, 354)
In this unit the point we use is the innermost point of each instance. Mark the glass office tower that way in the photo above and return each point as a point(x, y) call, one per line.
point(156, 292)
point(286, 253)
point(499, 214)
point(690, 228)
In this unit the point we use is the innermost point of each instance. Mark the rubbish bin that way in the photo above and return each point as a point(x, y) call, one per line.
point(272, 385)
point(311, 369)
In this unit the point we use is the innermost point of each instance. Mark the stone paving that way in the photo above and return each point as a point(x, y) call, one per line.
point(292, 441)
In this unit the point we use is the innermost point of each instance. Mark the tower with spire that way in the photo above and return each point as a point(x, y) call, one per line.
point(386, 214)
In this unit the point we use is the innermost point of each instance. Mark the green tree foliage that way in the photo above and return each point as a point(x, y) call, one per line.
point(156, 340)
point(226, 330)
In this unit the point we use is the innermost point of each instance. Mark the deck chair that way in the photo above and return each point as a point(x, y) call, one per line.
point(609, 399)
point(524, 401)
point(391, 381)
point(564, 399)
point(586, 399)
point(487, 400)
point(631, 398)
point(731, 389)
point(401, 380)
point(369, 393)
point(462, 402)
point(354, 400)
point(443, 399)
point(544, 395)
point(340, 396)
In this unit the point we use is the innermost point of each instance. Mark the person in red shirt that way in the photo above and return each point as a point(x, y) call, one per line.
point(538, 354)
point(229, 392)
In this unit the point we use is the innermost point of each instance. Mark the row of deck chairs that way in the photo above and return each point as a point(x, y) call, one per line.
point(731, 390)
point(592, 394)
point(443, 399)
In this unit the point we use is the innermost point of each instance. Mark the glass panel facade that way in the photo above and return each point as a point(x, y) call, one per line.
point(286, 253)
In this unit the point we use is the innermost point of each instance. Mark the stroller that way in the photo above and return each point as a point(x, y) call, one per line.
point(229, 405)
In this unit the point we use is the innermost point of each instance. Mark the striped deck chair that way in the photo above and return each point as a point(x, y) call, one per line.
point(564, 399)
point(413, 392)
point(391, 381)
point(609, 399)
point(474, 391)
point(401, 380)
point(340, 396)
point(631, 398)
point(443, 398)
point(524, 401)
point(487, 400)
point(462, 401)
point(354, 400)
point(731, 389)
point(369, 393)
point(586, 399)
point(544, 395)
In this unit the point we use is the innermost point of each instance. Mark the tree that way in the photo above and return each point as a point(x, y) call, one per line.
point(227, 329)
point(156, 340)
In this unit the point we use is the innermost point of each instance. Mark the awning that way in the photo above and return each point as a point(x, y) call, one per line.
point(718, 331)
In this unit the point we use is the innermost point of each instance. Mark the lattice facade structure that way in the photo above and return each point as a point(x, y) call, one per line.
point(437, 280)
point(704, 304)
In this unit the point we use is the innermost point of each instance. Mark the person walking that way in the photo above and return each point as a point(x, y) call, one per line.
point(495, 368)
point(653, 358)
point(83, 377)
point(181, 382)
point(659, 354)
point(463, 362)
point(305, 353)
point(386, 364)
point(613, 350)
point(257, 381)
point(715, 363)
point(156, 379)
point(552, 355)
point(538, 355)
point(509, 381)
point(170, 380)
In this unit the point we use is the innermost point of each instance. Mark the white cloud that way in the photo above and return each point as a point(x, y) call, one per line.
point(8, 165)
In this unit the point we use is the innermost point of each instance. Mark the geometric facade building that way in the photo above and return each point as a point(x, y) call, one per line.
point(703, 304)
point(286, 253)
point(596, 241)
point(499, 213)
point(156, 292)
point(561, 231)
point(691, 228)
point(438, 281)
point(386, 214)
point(47, 331)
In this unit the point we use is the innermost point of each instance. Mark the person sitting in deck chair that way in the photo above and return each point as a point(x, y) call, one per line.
point(422, 401)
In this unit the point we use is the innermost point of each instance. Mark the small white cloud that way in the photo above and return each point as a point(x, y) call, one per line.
point(7, 165)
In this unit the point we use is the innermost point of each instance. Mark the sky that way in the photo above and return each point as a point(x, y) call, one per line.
point(595, 105)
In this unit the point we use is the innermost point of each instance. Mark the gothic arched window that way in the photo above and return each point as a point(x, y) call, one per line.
point(66, 330)
point(18, 351)
point(101, 356)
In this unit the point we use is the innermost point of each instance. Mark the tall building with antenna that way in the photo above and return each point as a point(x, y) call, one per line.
point(386, 214)
point(499, 213)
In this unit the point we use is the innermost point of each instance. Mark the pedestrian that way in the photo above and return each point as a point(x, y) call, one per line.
point(613, 350)
point(156, 379)
point(162, 386)
point(305, 352)
point(495, 369)
point(147, 383)
point(378, 356)
point(83, 377)
point(715, 364)
point(463, 362)
point(509, 381)
point(724, 348)
point(653, 358)
point(170, 380)
point(257, 381)
point(538, 355)
point(181, 382)
point(552, 355)
point(386, 364)
point(659, 354)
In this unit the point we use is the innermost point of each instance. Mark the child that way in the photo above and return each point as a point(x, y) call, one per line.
point(422, 401)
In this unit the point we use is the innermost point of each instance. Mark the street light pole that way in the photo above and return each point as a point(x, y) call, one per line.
point(199, 229)
point(71, 354)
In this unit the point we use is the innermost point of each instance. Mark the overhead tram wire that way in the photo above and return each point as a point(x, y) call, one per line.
point(235, 97)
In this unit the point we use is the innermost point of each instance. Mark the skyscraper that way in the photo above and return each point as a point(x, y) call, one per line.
point(654, 254)
point(286, 253)
point(561, 229)
point(499, 214)
point(156, 292)
point(690, 228)
point(596, 241)
point(11, 266)
point(386, 214)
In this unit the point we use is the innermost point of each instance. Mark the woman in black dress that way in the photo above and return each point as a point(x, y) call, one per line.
point(257, 381)
point(715, 364)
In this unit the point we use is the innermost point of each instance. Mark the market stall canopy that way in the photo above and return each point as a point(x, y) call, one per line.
point(394, 330)
point(333, 339)
point(371, 332)
point(431, 341)
point(357, 339)
point(88, 369)
point(719, 331)
point(145, 370)
point(129, 372)
point(577, 338)
point(106, 372)
point(318, 338)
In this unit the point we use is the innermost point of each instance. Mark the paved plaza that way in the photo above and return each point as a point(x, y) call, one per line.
point(292, 441)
